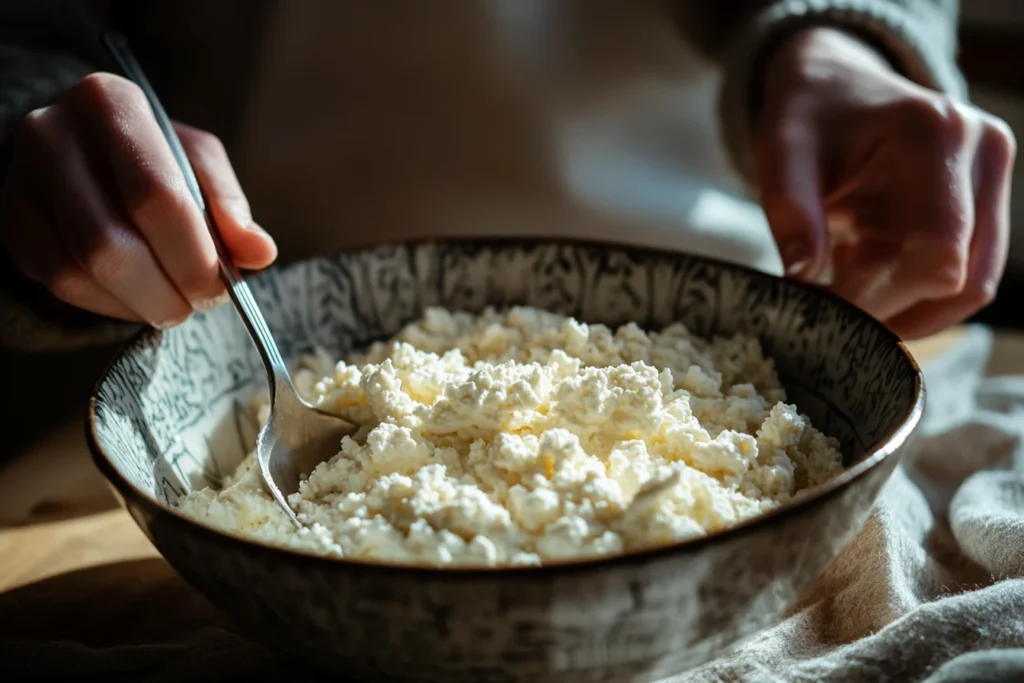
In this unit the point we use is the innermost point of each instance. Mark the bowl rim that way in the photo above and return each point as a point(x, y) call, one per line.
point(884, 448)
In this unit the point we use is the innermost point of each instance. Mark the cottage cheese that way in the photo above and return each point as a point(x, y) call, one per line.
point(526, 437)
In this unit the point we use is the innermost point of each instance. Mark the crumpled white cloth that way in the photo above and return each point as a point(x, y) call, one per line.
point(933, 589)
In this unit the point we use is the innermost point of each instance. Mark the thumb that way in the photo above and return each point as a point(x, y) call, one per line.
point(250, 246)
point(789, 182)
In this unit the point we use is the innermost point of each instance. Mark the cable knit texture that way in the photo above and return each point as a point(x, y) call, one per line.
point(919, 35)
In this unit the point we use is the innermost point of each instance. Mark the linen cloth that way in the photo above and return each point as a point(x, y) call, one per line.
point(932, 590)
point(933, 587)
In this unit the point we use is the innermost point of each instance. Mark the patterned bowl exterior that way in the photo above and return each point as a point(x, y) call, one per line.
point(170, 414)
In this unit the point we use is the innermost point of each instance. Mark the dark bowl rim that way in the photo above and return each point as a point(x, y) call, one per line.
point(884, 448)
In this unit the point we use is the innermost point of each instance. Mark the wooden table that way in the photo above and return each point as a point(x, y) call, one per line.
point(73, 565)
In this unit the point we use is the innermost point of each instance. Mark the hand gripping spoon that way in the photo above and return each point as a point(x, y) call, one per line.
point(296, 437)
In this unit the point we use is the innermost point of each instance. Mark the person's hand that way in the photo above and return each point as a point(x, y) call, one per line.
point(95, 208)
point(898, 194)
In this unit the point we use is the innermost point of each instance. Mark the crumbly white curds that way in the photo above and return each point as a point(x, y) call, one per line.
point(526, 437)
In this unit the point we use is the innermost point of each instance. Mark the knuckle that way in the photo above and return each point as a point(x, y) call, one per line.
point(998, 140)
point(65, 282)
point(1000, 128)
point(947, 267)
point(101, 87)
point(94, 88)
point(34, 120)
point(33, 130)
point(107, 93)
point(937, 119)
point(206, 143)
point(153, 200)
point(982, 293)
point(103, 254)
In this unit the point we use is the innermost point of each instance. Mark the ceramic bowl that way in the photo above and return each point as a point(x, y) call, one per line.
point(170, 414)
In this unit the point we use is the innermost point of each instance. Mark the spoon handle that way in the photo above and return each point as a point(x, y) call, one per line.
point(237, 288)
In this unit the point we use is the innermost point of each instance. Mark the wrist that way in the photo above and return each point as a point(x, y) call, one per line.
point(817, 57)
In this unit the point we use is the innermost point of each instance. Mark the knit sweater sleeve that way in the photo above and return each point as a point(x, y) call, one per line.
point(918, 36)
point(46, 46)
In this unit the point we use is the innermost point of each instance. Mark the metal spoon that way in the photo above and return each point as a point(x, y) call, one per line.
point(296, 437)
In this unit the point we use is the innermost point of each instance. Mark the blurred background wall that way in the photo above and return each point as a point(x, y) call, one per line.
point(992, 59)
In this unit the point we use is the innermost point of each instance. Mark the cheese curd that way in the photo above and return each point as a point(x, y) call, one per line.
point(526, 437)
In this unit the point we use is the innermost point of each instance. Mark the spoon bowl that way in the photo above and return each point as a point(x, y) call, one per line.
point(295, 439)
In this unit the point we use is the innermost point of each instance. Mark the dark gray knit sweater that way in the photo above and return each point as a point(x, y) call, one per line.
point(48, 45)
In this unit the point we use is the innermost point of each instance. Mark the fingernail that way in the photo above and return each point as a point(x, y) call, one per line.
point(210, 304)
point(169, 323)
point(797, 258)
